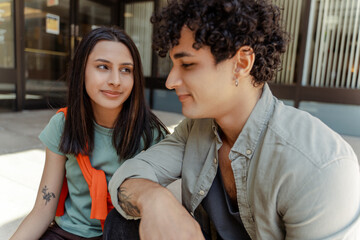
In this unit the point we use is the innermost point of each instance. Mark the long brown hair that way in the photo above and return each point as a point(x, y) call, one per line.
point(135, 121)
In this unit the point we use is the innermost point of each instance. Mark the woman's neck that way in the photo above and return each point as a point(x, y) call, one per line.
point(106, 117)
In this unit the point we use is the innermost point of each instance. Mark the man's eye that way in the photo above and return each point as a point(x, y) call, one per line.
point(186, 65)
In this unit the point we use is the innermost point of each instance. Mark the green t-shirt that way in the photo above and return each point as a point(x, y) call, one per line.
point(76, 218)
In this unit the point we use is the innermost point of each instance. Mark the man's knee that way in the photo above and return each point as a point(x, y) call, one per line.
point(117, 227)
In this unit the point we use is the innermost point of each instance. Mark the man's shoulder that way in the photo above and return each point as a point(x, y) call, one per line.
point(201, 124)
point(307, 137)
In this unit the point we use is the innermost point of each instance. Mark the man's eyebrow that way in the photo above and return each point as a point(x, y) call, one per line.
point(182, 54)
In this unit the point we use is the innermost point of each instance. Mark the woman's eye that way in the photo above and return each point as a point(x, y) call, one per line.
point(125, 70)
point(102, 67)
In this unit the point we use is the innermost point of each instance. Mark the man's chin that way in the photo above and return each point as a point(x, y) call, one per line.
point(191, 113)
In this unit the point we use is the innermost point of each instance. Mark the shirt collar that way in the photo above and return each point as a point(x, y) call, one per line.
point(215, 128)
point(254, 126)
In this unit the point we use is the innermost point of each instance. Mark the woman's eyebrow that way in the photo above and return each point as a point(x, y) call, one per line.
point(101, 60)
point(107, 61)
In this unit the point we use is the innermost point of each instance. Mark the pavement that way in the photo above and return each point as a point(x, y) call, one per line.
point(22, 159)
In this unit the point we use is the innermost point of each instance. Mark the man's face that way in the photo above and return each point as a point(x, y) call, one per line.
point(205, 90)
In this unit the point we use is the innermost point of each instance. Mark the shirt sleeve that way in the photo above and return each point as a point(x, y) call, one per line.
point(328, 205)
point(51, 134)
point(162, 163)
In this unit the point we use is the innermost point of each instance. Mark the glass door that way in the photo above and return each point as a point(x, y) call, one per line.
point(53, 28)
point(47, 50)
point(89, 15)
point(93, 14)
point(137, 25)
point(7, 56)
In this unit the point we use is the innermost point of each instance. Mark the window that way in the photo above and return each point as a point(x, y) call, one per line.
point(7, 41)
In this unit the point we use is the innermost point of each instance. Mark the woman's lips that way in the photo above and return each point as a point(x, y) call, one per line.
point(111, 94)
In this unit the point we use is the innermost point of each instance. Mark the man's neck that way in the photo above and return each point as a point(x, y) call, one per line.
point(232, 123)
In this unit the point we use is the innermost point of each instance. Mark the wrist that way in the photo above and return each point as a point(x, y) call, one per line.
point(155, 198)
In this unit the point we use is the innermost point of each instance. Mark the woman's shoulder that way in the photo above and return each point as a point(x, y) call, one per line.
point(51, 134)
point(57, 120)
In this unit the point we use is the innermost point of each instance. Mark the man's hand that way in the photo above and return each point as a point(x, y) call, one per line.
point(162, 216)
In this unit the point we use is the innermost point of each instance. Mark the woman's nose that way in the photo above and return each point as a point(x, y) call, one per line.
point(114, 78)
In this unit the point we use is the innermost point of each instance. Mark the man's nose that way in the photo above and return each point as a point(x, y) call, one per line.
point(173, 80)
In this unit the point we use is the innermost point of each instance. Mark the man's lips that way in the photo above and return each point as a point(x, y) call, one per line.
point(110, 93)
point(184, 97)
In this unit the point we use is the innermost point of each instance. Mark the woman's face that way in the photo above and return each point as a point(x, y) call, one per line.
point(109, 76)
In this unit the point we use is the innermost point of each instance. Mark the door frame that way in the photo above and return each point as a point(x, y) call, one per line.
point(19, 55)
point(16, 75)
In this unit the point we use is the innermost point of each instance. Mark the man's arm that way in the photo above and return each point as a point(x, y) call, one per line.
point(162, 216)
point(162, 163)
point(327, 206)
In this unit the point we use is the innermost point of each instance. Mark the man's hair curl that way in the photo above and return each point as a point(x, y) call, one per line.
point(225, 26)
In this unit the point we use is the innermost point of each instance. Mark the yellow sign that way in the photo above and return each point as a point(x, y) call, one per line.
point(50, 3)
point(52, 24)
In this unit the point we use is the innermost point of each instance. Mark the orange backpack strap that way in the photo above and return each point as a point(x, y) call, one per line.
point(63, 194)
point(97, 184)
point(101, 203)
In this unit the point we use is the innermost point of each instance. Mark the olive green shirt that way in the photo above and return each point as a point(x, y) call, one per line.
point(295, 177)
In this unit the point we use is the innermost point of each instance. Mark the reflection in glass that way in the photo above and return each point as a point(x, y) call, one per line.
point(7, 50)
point(138, 26)
point(335, 48)
point(164, 64)
point(46, 47)
point(92, 15)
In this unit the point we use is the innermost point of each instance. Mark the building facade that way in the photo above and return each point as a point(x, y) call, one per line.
point(38, 39)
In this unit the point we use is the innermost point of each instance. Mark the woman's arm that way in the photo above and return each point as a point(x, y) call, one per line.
point(43, 212)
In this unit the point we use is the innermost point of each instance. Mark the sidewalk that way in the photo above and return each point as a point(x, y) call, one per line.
point(22, 159)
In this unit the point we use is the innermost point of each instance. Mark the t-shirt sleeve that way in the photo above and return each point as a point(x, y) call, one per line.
point(51, 134)
point(158, 135)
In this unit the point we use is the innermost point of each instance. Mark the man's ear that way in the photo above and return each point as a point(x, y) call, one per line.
point(245, 58)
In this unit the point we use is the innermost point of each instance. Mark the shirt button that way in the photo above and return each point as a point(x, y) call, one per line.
point(201, 192)
point(248, 152)
point(215, 160)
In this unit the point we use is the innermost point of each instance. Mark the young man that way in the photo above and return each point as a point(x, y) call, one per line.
point(258, 168)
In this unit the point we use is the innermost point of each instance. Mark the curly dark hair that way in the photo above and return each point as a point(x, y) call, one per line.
point(225, 26)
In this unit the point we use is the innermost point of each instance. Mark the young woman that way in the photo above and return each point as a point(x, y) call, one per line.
point(106, 122)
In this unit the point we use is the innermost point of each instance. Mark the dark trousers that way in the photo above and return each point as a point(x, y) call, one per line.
point(117, 227)
point(54, 232)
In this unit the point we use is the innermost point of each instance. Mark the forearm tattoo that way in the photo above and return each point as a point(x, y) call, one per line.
point(47, 195)
point(125, 204)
